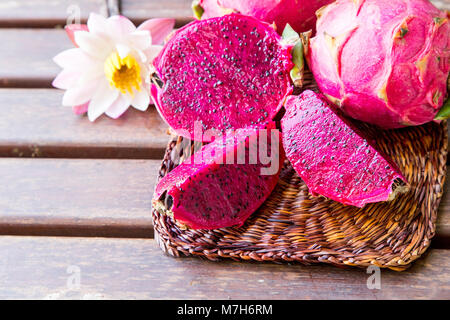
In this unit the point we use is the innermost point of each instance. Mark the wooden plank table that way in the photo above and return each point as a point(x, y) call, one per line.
point(76, 197)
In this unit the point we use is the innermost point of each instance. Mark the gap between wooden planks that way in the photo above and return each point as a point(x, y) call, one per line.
point(42, 268)
point(92, 197)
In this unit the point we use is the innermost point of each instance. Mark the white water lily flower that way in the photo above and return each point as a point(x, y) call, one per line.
point(110, 68)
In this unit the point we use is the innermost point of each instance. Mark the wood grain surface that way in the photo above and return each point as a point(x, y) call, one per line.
point(76, 268)
point(33, 123)
point(139, 11)
point(27, 59)
point(47, 13)
point(77, 197)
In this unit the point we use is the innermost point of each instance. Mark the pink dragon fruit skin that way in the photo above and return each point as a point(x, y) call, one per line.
point(223, 73)
point(385, 62)
point(300, 14)
point(333, 157)
point(212, 192)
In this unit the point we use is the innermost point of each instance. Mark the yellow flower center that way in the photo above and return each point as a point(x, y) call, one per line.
point(123, 74)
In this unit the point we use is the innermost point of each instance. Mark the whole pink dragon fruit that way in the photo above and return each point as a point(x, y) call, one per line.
point(223, 73)
point(333, 157)
point(385, 62)
point(220, 185)
point(300, 14)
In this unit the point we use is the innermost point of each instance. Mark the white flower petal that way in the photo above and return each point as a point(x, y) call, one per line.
point(122, 50)
point(119, 26)
point(93, 45)
point(66, 79)
point(141, 58)
point(72, 28)
point(97, 24)
point(72, 58)
point(79, 95)
point(141, 100)
point(93, 74)
point(103, 98)
point(139, 40)
point(119, 106)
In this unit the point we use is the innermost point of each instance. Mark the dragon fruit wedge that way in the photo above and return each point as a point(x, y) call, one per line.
point(333, 157)
point(385, 62)
point(223, 73)
point(224, 182)
point(300, 14)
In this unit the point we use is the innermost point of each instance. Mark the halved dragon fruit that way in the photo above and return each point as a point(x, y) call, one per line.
point(223, 73)
point(299, 14)
point(385, 62)
point(333, 157)
point(224, 182)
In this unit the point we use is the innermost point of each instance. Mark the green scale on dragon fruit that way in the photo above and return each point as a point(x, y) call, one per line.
point(299, 14)
point(210, 191)
point(384, 62)
point(333, 157)
point(223, 73)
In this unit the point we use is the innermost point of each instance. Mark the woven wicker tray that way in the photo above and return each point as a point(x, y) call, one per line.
point(293, 226)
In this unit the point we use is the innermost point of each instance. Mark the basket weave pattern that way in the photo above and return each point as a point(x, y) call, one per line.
point(294, 226)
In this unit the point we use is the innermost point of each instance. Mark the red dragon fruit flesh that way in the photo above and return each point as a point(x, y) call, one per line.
point(385, 62)
point(223, 73)
point(224, 182)
point(299, 14)
point(333, 157)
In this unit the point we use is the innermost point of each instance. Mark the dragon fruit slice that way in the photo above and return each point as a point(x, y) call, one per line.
point(300, 14)
point(223, 183)
point(385, 62)
point(224, 73)
point(333, 158)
